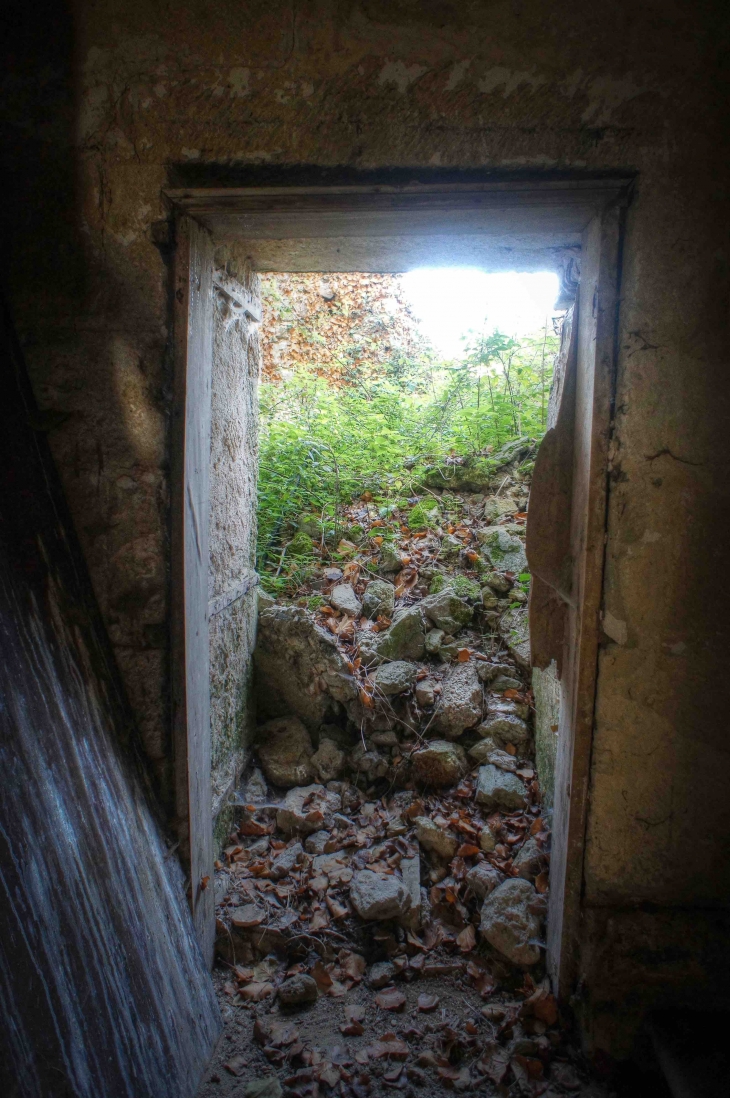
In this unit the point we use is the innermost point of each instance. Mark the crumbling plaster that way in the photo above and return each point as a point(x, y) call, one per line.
point(152, 91)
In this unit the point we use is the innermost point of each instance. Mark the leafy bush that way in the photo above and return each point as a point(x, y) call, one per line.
point(324, 443)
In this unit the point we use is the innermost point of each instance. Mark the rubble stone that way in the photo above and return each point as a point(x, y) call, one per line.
point(396, 677)
point(508, 924)
point(390, 559)
point(460, 706)
point(505, 729)
point(255, 790)
point(403, 640)
point(530, 860)
point(285, 752)
point(443, 844)
point(307, 809)
point(336, 867)
point(483, 879)
point(300, 670)
point(298, 989)
point(381, 974)
point(375, 897)
point(379, 599)
point(434, 639)
point(314, 843)
point(487, 840)
point(286, 861)
point(498, 789)
point(505, 551)
point(425, 693)
point(447, 611)
point(438, 763)
point(343, 598)
point(498, 582)
point(411, 871)
point(486, 751)
point(504, 682)
point(328, 761)
point(515, 629)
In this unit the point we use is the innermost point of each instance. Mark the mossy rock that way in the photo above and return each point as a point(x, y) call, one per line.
point(475, 476)
point(354, 533)
point(301, 545)
point(423, 515)
point(466, 588)
point(462, 586)
point(311, 525)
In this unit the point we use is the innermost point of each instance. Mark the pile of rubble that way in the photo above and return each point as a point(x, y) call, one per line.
point(391, 837)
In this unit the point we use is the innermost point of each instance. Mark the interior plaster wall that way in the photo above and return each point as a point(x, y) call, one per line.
point(105, 105)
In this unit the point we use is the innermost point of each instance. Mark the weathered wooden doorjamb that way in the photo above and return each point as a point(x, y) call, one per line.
point(190, 463)
point(372, 228)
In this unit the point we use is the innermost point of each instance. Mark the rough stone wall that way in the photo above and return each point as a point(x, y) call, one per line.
point(232, 531)
point(100, 114)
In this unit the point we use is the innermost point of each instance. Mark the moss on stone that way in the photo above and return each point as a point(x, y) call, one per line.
point(423, 515)
point(301, 545)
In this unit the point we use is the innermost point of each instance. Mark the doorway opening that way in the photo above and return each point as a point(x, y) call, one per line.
point(397, 838)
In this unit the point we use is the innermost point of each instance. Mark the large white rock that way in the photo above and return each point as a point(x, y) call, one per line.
point(509, 925)
point(375, 897)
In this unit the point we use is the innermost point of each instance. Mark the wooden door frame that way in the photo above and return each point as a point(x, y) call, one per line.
point(586, 210)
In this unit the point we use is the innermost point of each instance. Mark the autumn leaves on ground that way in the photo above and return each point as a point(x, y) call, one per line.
point(381, 902)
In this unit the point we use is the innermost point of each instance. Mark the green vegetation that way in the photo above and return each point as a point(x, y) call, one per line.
point(387, 430)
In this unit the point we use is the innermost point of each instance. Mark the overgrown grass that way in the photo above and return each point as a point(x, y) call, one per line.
point(323, 444)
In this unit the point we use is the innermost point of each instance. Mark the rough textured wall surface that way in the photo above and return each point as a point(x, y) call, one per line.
point(232, 529)
point(102, 114)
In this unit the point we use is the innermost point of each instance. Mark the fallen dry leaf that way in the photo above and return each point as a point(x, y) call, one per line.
point(542, 881)
point(352, 964)
point(236, 1065)
point(321, 976)
point(256, 991)
point(391, 999)
point(389, 1047)
point(427, 1003)
point(467, 939)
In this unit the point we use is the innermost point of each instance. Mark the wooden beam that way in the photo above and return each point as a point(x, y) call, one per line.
point(190, 461)
point(595, 380)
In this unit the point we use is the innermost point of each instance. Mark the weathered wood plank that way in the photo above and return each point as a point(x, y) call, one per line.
point(189, 561)
point(598, 302)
